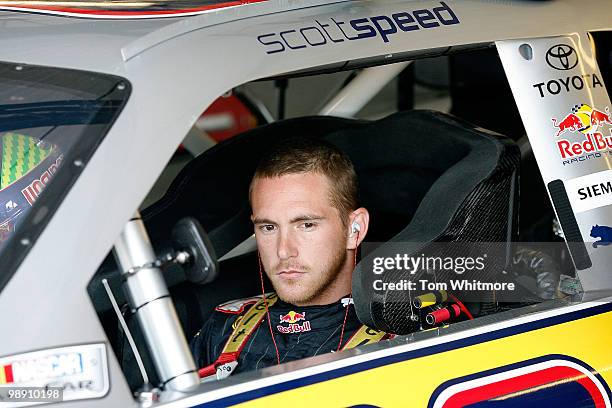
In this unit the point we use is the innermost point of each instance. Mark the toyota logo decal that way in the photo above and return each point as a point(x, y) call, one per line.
point(562, 57)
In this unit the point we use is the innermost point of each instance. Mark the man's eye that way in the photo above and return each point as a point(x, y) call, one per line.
point(267, 228)
point(309, 225)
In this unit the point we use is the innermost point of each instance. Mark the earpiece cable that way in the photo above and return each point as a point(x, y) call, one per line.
point(263, 292)
point(350, 296)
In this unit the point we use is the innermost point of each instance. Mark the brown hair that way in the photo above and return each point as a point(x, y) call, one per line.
point(294, 155)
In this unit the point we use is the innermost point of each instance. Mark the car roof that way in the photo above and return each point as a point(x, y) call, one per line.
point(103, 39)
point(98, 38)
point(124, 9)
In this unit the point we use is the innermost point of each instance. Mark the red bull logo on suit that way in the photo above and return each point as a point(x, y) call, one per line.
point(292, 318)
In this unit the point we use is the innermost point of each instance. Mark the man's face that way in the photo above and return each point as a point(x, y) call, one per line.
point(300, 236)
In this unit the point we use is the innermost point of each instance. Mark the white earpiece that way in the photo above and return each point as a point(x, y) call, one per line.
point(355, 227)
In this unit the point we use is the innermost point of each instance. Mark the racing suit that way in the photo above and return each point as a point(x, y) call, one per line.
point(299, 332)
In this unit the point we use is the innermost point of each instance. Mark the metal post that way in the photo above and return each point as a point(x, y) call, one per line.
point(362, 89)
point(149, 297)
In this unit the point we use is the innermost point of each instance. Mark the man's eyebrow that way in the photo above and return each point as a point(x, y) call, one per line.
point(262, 221)
point(306, 218)
point(299, 218)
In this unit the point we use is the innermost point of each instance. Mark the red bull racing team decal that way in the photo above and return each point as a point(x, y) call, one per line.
point(292, 318)
point(583, 134)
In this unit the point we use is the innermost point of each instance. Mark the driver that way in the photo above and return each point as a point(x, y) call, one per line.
point(308, 226)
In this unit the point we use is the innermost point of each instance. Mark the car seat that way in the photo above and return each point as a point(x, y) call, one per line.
point(422, 174)
point(474, 199)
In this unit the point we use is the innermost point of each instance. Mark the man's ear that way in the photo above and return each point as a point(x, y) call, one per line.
point(358, 227)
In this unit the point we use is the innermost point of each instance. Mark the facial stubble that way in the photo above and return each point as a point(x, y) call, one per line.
point(324, 280)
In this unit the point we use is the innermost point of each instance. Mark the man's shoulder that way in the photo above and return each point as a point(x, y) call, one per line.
point(218, 327)
point(226, 316)
point(237, 306)
point(226, 313)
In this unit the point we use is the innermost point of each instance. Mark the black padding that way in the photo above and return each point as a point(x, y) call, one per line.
point(397, 159)
point(569, 225)
point(478, 76)
point(474, 198)
point(189, 236)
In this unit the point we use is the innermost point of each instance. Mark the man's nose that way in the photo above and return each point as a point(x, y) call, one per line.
point(286, 246)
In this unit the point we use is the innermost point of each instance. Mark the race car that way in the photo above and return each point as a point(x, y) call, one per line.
point(101, 293)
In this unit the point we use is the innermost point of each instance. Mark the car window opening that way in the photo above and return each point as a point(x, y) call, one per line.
point(404, 183)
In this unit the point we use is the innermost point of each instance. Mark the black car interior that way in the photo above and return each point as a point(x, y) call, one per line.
point(424, 176)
